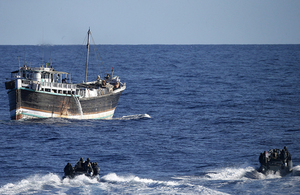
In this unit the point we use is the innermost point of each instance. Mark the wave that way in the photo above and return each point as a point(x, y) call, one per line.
point(50, 184)
point(296, 170)
point(229, 173)
point(110, 183)
point(133, 117)
point(244, 173)
point(113, 183)
point(113, 177)
point(64, 121)
point(134, 184)
point(33, 184)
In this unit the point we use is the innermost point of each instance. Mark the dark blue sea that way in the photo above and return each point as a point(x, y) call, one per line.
point(192, 120)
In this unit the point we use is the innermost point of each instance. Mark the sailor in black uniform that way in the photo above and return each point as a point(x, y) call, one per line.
point(80, 165)
point(261, 159)
point(285, 155)
point(96, 169)
point(88, 166)
point(69, 171)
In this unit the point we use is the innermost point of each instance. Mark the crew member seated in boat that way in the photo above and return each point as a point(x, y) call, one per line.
point(88, 166)
point(57, 79)
point(103, 83)
point(107, 77)
point(80, 165)
point(117, 85)
point(99, 80)
point(262, 159)
point(266, 157)
point(69, 171)
point(96, 169)
point(274, 155)
point(285, 155)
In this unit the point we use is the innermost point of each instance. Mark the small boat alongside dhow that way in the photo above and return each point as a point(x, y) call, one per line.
point(43, 92)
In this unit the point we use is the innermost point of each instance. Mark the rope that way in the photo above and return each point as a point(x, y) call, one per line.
point(97, 52)
point(80, 54)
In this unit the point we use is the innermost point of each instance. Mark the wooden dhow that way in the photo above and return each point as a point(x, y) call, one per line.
point(42, 92)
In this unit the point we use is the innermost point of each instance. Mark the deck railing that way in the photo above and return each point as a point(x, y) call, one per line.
point(59, 85)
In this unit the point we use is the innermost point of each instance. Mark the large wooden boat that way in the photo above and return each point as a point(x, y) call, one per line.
point(42, 92)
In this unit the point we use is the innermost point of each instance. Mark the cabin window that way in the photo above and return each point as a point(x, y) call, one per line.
point(45, 76)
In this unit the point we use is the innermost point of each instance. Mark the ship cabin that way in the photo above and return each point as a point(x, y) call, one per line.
point(44, 80)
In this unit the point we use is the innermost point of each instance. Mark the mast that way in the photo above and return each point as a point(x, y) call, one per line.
point(87, 54)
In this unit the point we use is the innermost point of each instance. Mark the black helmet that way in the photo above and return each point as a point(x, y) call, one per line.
point(88, 159)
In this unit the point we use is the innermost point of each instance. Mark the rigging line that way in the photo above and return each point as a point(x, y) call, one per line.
point(97, 61)
point(98, 53)
point(94, 46)
point(80, 53)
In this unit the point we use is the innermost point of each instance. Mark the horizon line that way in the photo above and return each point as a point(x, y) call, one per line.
point(153, 44)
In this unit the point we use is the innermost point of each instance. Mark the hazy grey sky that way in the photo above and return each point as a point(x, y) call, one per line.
point(150, 21)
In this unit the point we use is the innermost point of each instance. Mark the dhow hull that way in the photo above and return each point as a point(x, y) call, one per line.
point(29, 104)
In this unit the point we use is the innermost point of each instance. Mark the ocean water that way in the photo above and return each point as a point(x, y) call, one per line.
point(193, 120)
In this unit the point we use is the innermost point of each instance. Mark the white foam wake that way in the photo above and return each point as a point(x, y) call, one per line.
point(133, 117)
point(229, 173)
point(296, 171)
point(33, 184)
point(112, 177)
point(109, 184)
point(50, 184)
point(136, 185)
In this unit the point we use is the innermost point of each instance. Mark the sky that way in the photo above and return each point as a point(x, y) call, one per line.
point(64, 22)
